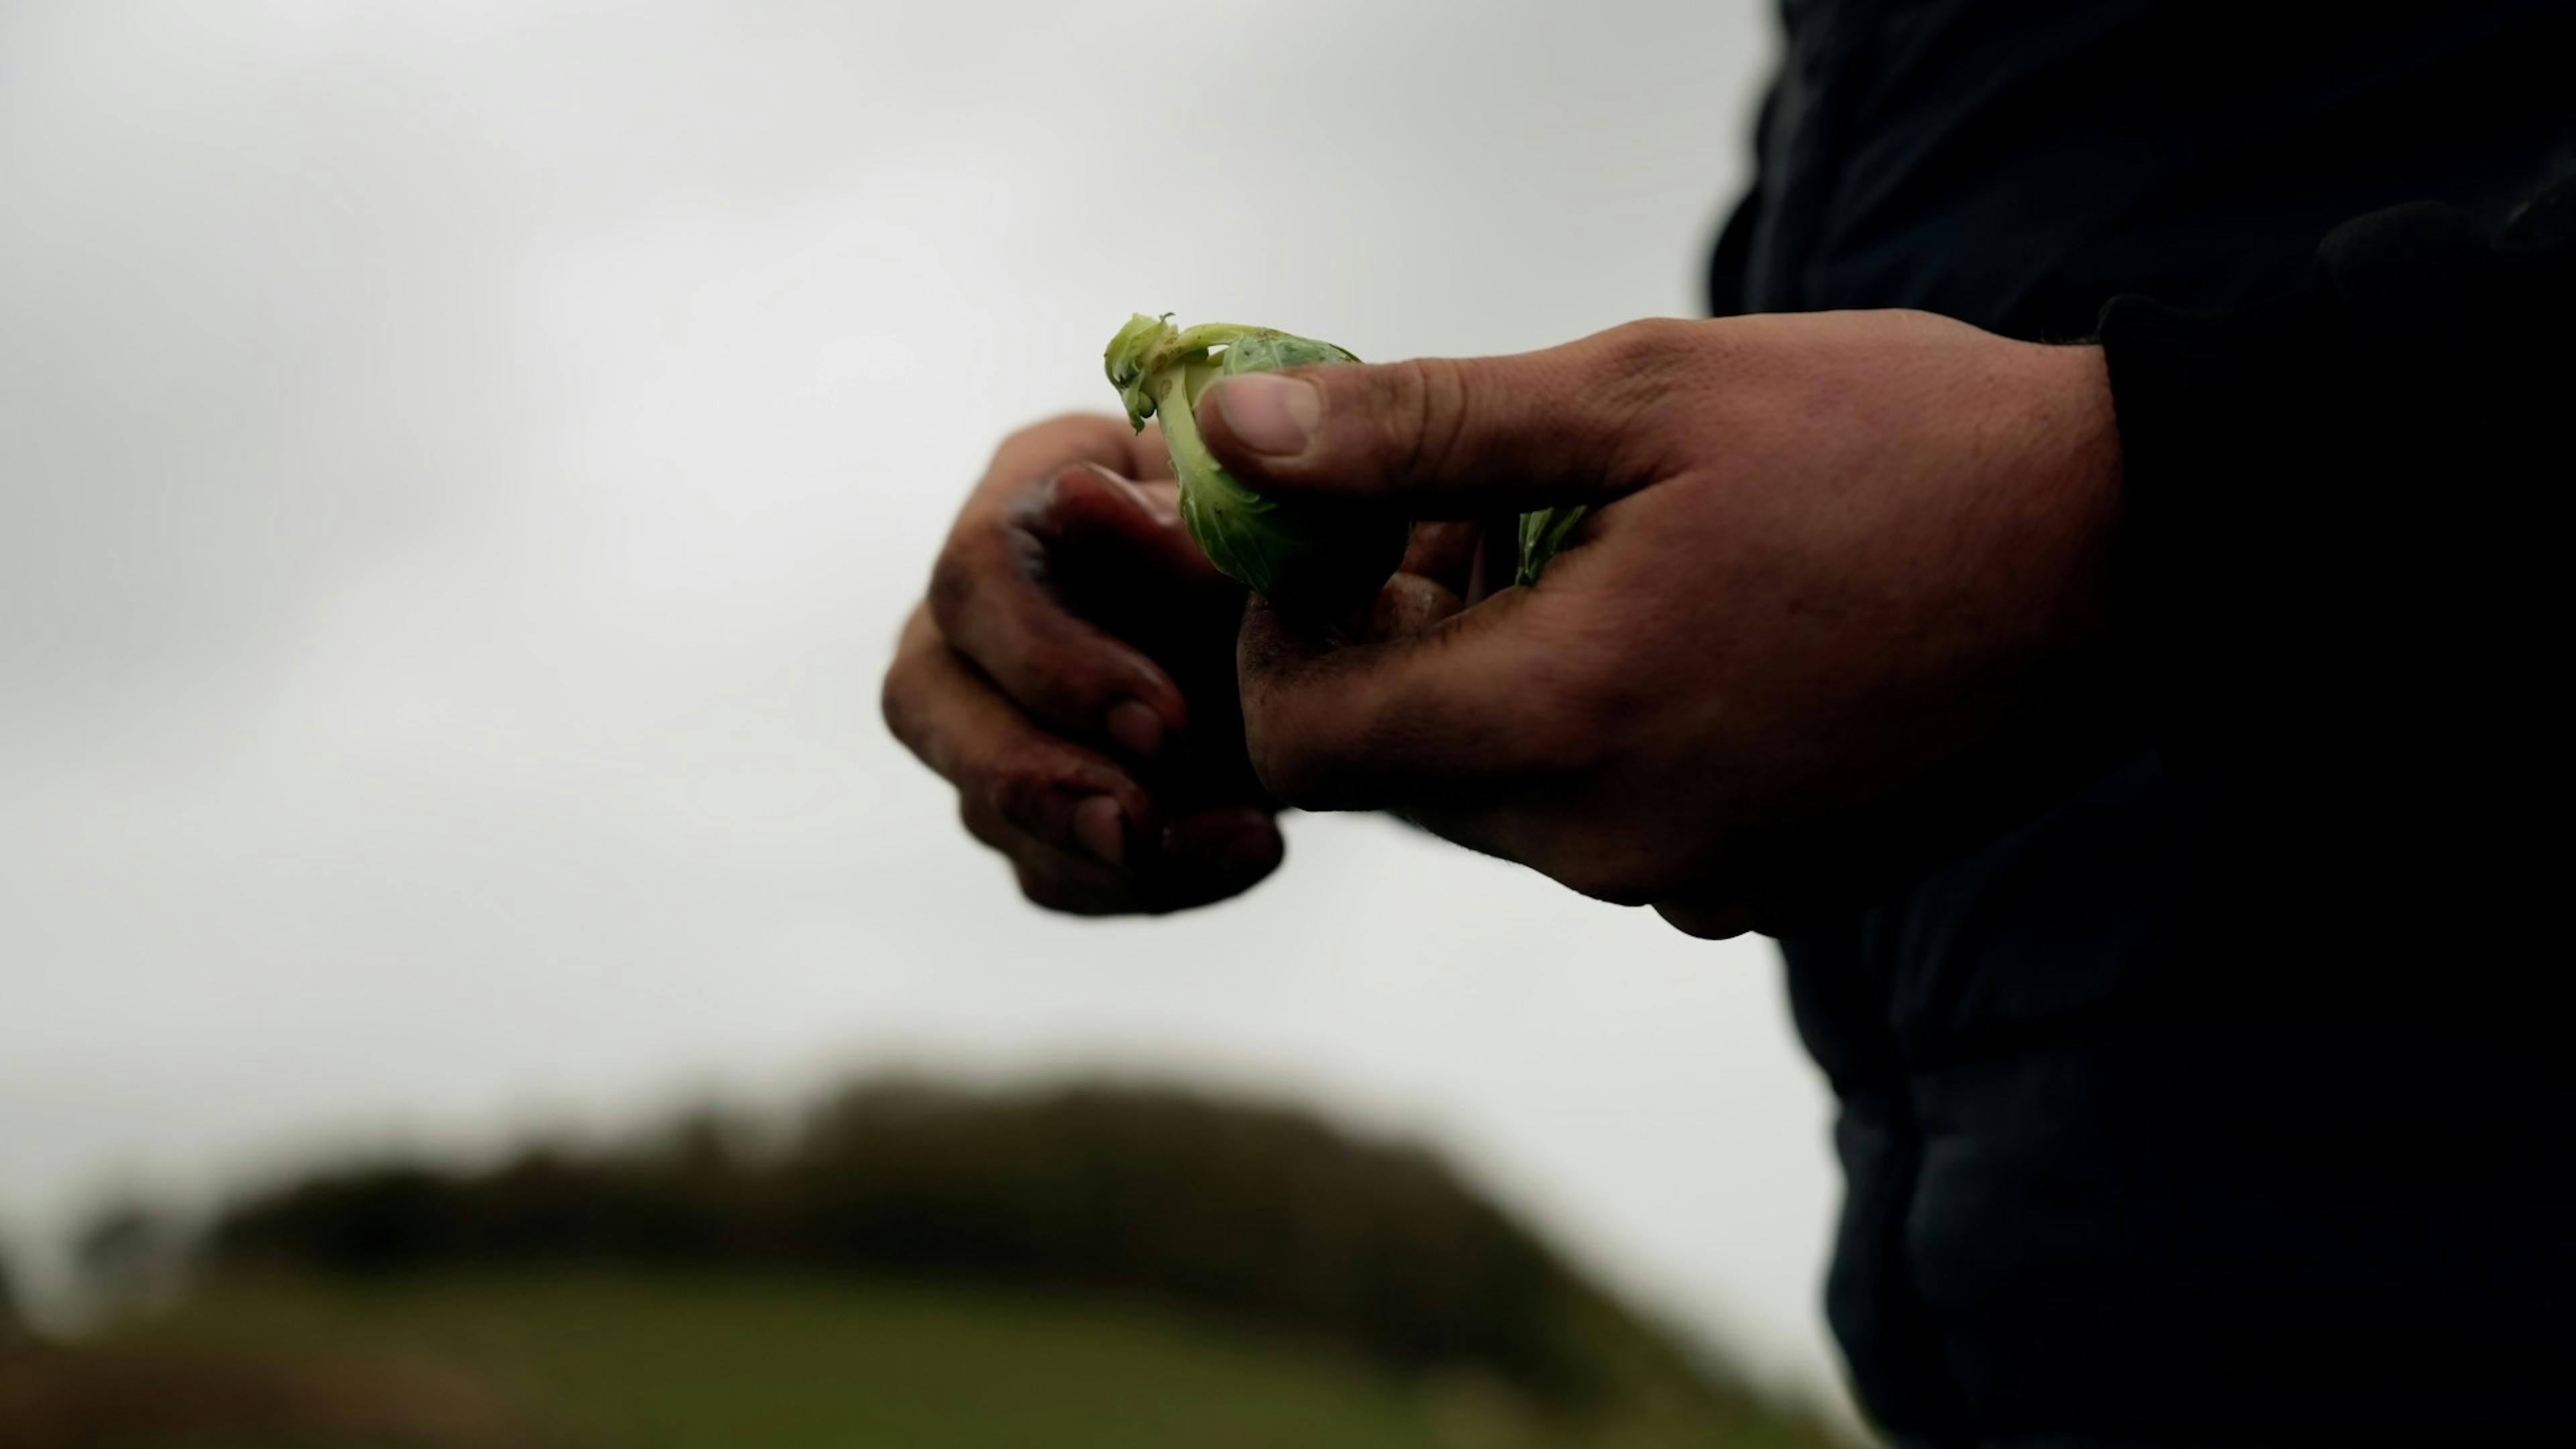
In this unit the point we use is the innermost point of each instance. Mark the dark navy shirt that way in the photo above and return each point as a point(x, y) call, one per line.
point(2223, 1099)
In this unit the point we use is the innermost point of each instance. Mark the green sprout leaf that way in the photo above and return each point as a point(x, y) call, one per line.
point(1543, 534)
point(1300, 556)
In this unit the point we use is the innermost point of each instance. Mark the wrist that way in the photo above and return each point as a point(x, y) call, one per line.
point(2073, 481)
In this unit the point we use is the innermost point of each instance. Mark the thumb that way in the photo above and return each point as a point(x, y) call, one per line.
point(1452, 437)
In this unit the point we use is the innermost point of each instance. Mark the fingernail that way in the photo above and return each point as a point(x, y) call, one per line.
point(1274, 415)
point(1102, 828)
point(1136, 727)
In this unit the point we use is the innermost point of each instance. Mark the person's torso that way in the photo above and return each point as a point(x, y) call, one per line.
point(2146, 1133)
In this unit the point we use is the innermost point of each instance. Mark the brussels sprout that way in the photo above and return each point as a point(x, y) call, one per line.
point(1300, 556)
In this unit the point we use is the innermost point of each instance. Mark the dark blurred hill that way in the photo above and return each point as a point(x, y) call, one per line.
point(1258, 1225)
point(1242, 1210)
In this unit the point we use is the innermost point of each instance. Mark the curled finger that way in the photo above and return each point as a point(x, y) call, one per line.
point(1442, 716)
point(995, 598)
point(1004, 766)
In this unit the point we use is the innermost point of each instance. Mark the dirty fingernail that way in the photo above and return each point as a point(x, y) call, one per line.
point(1270, 414)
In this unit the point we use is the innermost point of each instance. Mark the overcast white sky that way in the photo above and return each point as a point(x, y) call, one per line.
point(462, 463)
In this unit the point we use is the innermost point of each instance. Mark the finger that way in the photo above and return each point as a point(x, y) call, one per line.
point(1409, 604)
point(1050, 876)
point(1709, 917)
point(1497, 562)
point(1033, 451)
point(1082, 836)
point(995, 597)
point(1444, 551)
point(1447, 715)
point(1450, 437)
point(1110, 539)
point(1148, 457)
point(1007, 769)
point(1205, 858)
point(1055, 892)
point(1210, 856)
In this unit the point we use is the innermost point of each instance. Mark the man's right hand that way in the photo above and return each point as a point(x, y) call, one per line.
point(1072, 674)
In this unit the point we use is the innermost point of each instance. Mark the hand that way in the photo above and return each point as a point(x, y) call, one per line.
point(1828, 558)
point(1072, 674)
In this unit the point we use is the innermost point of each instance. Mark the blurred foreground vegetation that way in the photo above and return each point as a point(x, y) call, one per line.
point(904, 1267)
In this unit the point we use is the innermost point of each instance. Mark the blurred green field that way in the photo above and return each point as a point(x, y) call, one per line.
point(609, 1361)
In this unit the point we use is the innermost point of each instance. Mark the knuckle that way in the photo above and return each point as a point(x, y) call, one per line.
point(955, 580)
point(1060, 499)
point(981, 822)
point(1643, 362)
point(1608, 871)
point(1650, 346)
point(904, 701)
point(1061, 428)
point(1425, 404)
point(1078, 486)
point(1069, 680)
point(1019, 796)
point(895, 698)
point(1069, 699)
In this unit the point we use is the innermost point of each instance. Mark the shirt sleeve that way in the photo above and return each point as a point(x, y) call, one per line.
point(2341, 560)
point(1730, 261)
